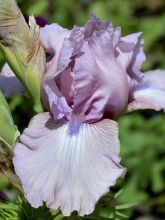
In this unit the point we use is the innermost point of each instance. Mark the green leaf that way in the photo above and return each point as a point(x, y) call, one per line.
point(8, 131)
point(122, 215)
point(118, 194)
point(4, 182)
point(157, 176)
point(126, 206)
point(22, 210)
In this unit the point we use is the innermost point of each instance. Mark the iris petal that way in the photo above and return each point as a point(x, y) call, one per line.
point(9, 83)
point(150, 93)
point(131, 56)
point(67, 165)
point(101, 85)
point(57, 102)
point(52, 37)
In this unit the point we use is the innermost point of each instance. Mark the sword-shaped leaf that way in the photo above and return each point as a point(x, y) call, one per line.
point(8, 131)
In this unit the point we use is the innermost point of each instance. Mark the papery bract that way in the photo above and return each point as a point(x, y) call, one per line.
point(22, 49)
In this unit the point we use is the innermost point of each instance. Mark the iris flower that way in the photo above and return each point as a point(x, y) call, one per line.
point(68, 157)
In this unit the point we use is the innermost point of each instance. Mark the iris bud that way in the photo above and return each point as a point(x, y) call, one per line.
point(22, 49)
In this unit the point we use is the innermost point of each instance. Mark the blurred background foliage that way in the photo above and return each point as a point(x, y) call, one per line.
point(142, 134)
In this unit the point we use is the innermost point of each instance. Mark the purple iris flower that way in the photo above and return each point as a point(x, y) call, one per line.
point(68, 157)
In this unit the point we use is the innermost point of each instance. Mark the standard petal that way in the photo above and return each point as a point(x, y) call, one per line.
point(88, 74)
point(9, 83)
point(95, 24)
point(52, 37)
point(150, 94)
point(130, 54)
point(57, 102)
point(64, 82)
point(101, 85)
point(71, 47)
point(59, 88)
point(67, 165)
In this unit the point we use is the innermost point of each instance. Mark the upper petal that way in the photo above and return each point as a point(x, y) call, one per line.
point(150, 93)
point(89, 76)
point(60, 86)
point(131, 56)
point(52, 37)
point(100, 84)
point(71, 47)
point(67, 168)
point(57, 102)
point(95, 24)
point(9, 83)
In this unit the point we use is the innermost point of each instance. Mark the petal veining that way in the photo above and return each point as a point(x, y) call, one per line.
point(67, 170)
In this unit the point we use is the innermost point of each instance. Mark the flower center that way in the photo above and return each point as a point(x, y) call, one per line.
point(76, 123)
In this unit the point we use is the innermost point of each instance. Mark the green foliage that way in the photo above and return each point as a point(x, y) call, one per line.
point(106, 209)
point(8, 131)
point(142, 152)
point(21, 210)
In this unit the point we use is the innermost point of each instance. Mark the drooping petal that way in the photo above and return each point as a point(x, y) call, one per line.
point(9, 83)
point(52, 37)
point(101, 85)
point(67, 166)
point(131, 55)
point(150, 94)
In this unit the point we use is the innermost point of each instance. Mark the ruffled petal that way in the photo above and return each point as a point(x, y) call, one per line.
point(150, 94)
point(71, 47)
point(67, 165)
point(95, 24)
point(131, 55)
point(61, 85)
point(9, 83)
point(52, 37)
point(57, 102)
point(101, 85)
point(88, 75)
